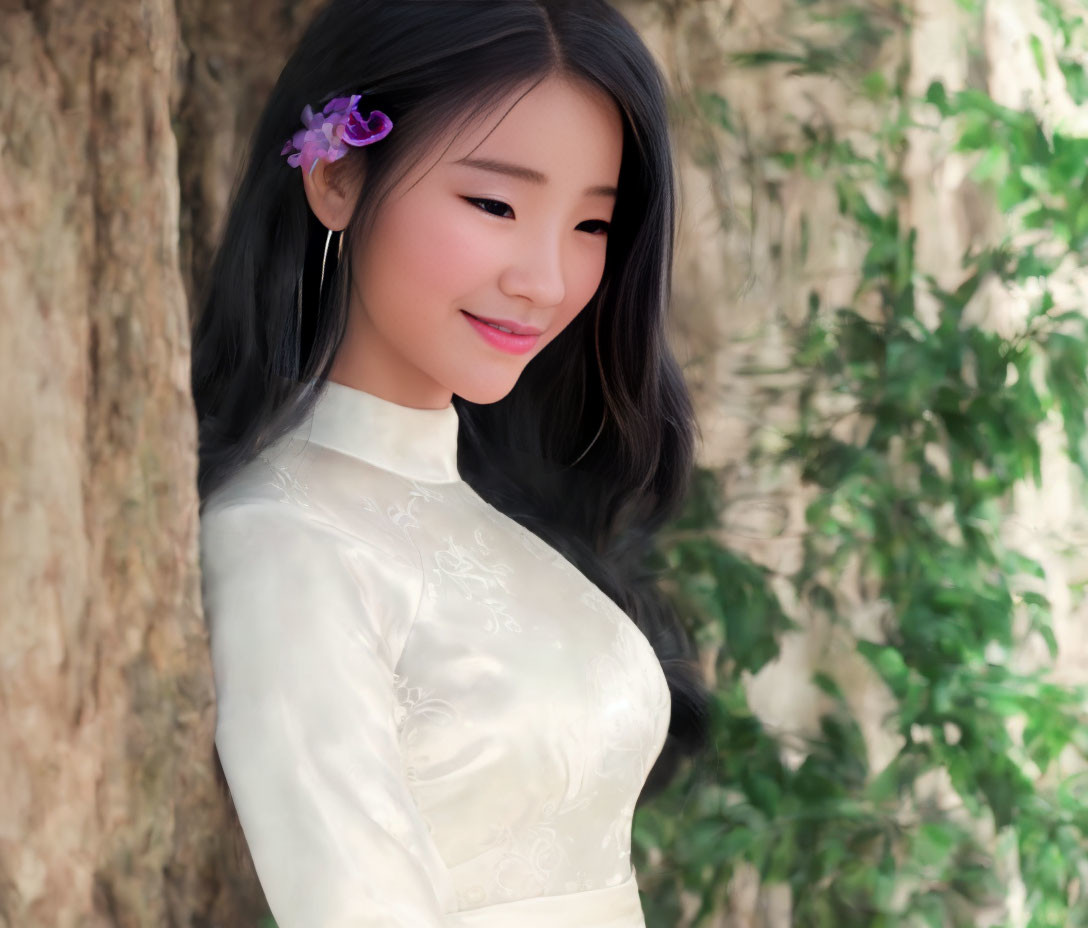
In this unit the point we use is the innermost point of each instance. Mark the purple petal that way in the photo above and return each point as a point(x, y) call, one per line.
point(361, 131)
point(342, 105)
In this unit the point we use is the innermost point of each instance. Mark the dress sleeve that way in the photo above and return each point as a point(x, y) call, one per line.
point(304, 622)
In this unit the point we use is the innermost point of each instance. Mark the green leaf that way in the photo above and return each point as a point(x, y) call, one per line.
point(1038, 54)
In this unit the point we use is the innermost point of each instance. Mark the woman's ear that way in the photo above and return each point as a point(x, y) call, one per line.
point(331, 198)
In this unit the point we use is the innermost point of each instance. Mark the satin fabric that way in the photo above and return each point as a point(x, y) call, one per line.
point(426, 715)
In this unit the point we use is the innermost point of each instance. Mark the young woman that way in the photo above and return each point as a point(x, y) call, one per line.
point(444, 676)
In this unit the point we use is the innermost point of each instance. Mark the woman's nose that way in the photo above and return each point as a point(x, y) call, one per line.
point(537, 273)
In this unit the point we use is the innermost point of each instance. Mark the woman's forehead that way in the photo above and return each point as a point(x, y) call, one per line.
point(556, 129)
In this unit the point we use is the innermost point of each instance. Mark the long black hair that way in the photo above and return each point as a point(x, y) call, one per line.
point(593, 448)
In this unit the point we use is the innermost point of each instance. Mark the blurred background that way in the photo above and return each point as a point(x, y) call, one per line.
point(880, 303)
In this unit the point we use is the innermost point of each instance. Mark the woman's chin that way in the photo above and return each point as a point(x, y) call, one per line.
point(483, 393)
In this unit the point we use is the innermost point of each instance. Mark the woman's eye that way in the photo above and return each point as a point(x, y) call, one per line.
point(601, 227)
point(498, 203)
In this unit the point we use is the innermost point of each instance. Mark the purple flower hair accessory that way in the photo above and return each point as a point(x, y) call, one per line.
point(329, 131)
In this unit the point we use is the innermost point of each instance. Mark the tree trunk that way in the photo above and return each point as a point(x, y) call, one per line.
point(113, 811)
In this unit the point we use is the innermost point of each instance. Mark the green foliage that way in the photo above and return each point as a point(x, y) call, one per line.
point(914, 504)
point(740, 616)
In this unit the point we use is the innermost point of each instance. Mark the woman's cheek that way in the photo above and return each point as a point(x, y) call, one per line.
point(450, 251)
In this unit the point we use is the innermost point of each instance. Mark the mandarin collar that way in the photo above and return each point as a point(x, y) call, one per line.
point(418, 443)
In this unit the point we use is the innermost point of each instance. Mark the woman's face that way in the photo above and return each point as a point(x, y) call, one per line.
point(510, 224)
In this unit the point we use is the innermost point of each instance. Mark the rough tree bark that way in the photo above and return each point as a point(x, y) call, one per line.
point(113, 813)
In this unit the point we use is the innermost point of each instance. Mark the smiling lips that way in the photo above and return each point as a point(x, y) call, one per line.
point(518, 340)
point(509, 324)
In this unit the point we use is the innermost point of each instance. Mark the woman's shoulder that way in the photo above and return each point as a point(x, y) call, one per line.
point(280, 505)
point(261, 551)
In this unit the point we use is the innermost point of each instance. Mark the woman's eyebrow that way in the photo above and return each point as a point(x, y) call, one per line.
point(530, 174)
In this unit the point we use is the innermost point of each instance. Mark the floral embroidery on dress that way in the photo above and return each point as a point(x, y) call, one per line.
point(415, 708)
point(404, 516)
point(481, 542)
point(524, 869)
point(291, 489)
point(426, 493)
point(532, 542)
point(476, 579)
point(461, 565)
point(497, 610)
point(366, 504)
point(618, 839)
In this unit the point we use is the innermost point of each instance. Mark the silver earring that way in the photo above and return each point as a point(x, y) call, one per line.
point(324, 255)
point(320, 290)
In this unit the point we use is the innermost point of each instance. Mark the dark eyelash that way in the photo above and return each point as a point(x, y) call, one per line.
point(484, 200)
point(476, 200)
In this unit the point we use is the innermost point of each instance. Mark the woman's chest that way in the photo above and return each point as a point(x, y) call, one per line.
point(523, 694)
